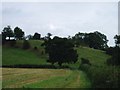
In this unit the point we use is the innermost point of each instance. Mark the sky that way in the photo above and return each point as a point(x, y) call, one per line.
point(62, 18)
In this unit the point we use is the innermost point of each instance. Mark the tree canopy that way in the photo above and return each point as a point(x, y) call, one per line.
point(93, 40)
point(7, 32)
point(60, 50)
point(36, 36)
point(18, 33)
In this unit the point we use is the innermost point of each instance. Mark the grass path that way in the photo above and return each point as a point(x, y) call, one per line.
point(44, 78)
point(80, 81)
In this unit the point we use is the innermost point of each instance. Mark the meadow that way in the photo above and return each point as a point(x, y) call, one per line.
point(76, 76)
point(43, 78)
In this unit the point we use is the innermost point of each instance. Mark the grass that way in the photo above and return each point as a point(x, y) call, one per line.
point(43, 78)
point(12, 56)
point(96, 57)
point(33, 43)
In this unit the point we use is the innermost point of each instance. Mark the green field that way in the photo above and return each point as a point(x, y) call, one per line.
point(47, 78)
point(44, 78)
point(13, 56)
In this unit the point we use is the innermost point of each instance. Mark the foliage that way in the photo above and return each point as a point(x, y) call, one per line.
point(36, 36)
point(29, 37)
point(96, 40)
point(85, 61)
point(93, 40)
point(78, 39)
point(115, 52)
point(102, 77)
point(18, 33)
point(60, 50)
point(7, 32)
point(48, 37)
point(115, 59)
point(117, 40)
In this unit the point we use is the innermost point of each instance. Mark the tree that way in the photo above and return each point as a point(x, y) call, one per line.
point(18, 33)
point(78, 39)
point(117, 40)
point(7, 32)
point(48, 36)
point(96, 40)
point(60, 50)
point(29, 37)
point(36, 36)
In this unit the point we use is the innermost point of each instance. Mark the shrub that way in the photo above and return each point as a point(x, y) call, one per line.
point(85, 61)
point(35, 48)
point(26, 44)
point(102, 77)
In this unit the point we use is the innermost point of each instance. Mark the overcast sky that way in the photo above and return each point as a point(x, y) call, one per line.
point(62, 18)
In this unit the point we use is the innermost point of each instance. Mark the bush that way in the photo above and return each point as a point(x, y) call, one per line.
point(115, 59)
point(102, 77)
point(35, 48)
point(85, 61)
point(26, 44)
point(110, 50)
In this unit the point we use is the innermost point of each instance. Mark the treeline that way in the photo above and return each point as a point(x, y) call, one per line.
point(95, 40)
point(17, 34)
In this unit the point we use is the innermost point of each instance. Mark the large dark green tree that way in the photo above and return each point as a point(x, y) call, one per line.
point(18, 33)
point(36, 36)
point(96, 40)
point(7, 32)
point(60, 50)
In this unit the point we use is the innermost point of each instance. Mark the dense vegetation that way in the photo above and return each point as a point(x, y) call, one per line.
point(60, 50)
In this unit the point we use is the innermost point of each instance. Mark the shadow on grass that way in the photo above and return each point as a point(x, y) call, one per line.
point(36, 66)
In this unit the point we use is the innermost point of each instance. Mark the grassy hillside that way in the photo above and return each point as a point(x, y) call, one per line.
point(98, 72)
point(33, 43)
point(96, 57)
point(13, 56)
point(43, 78)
